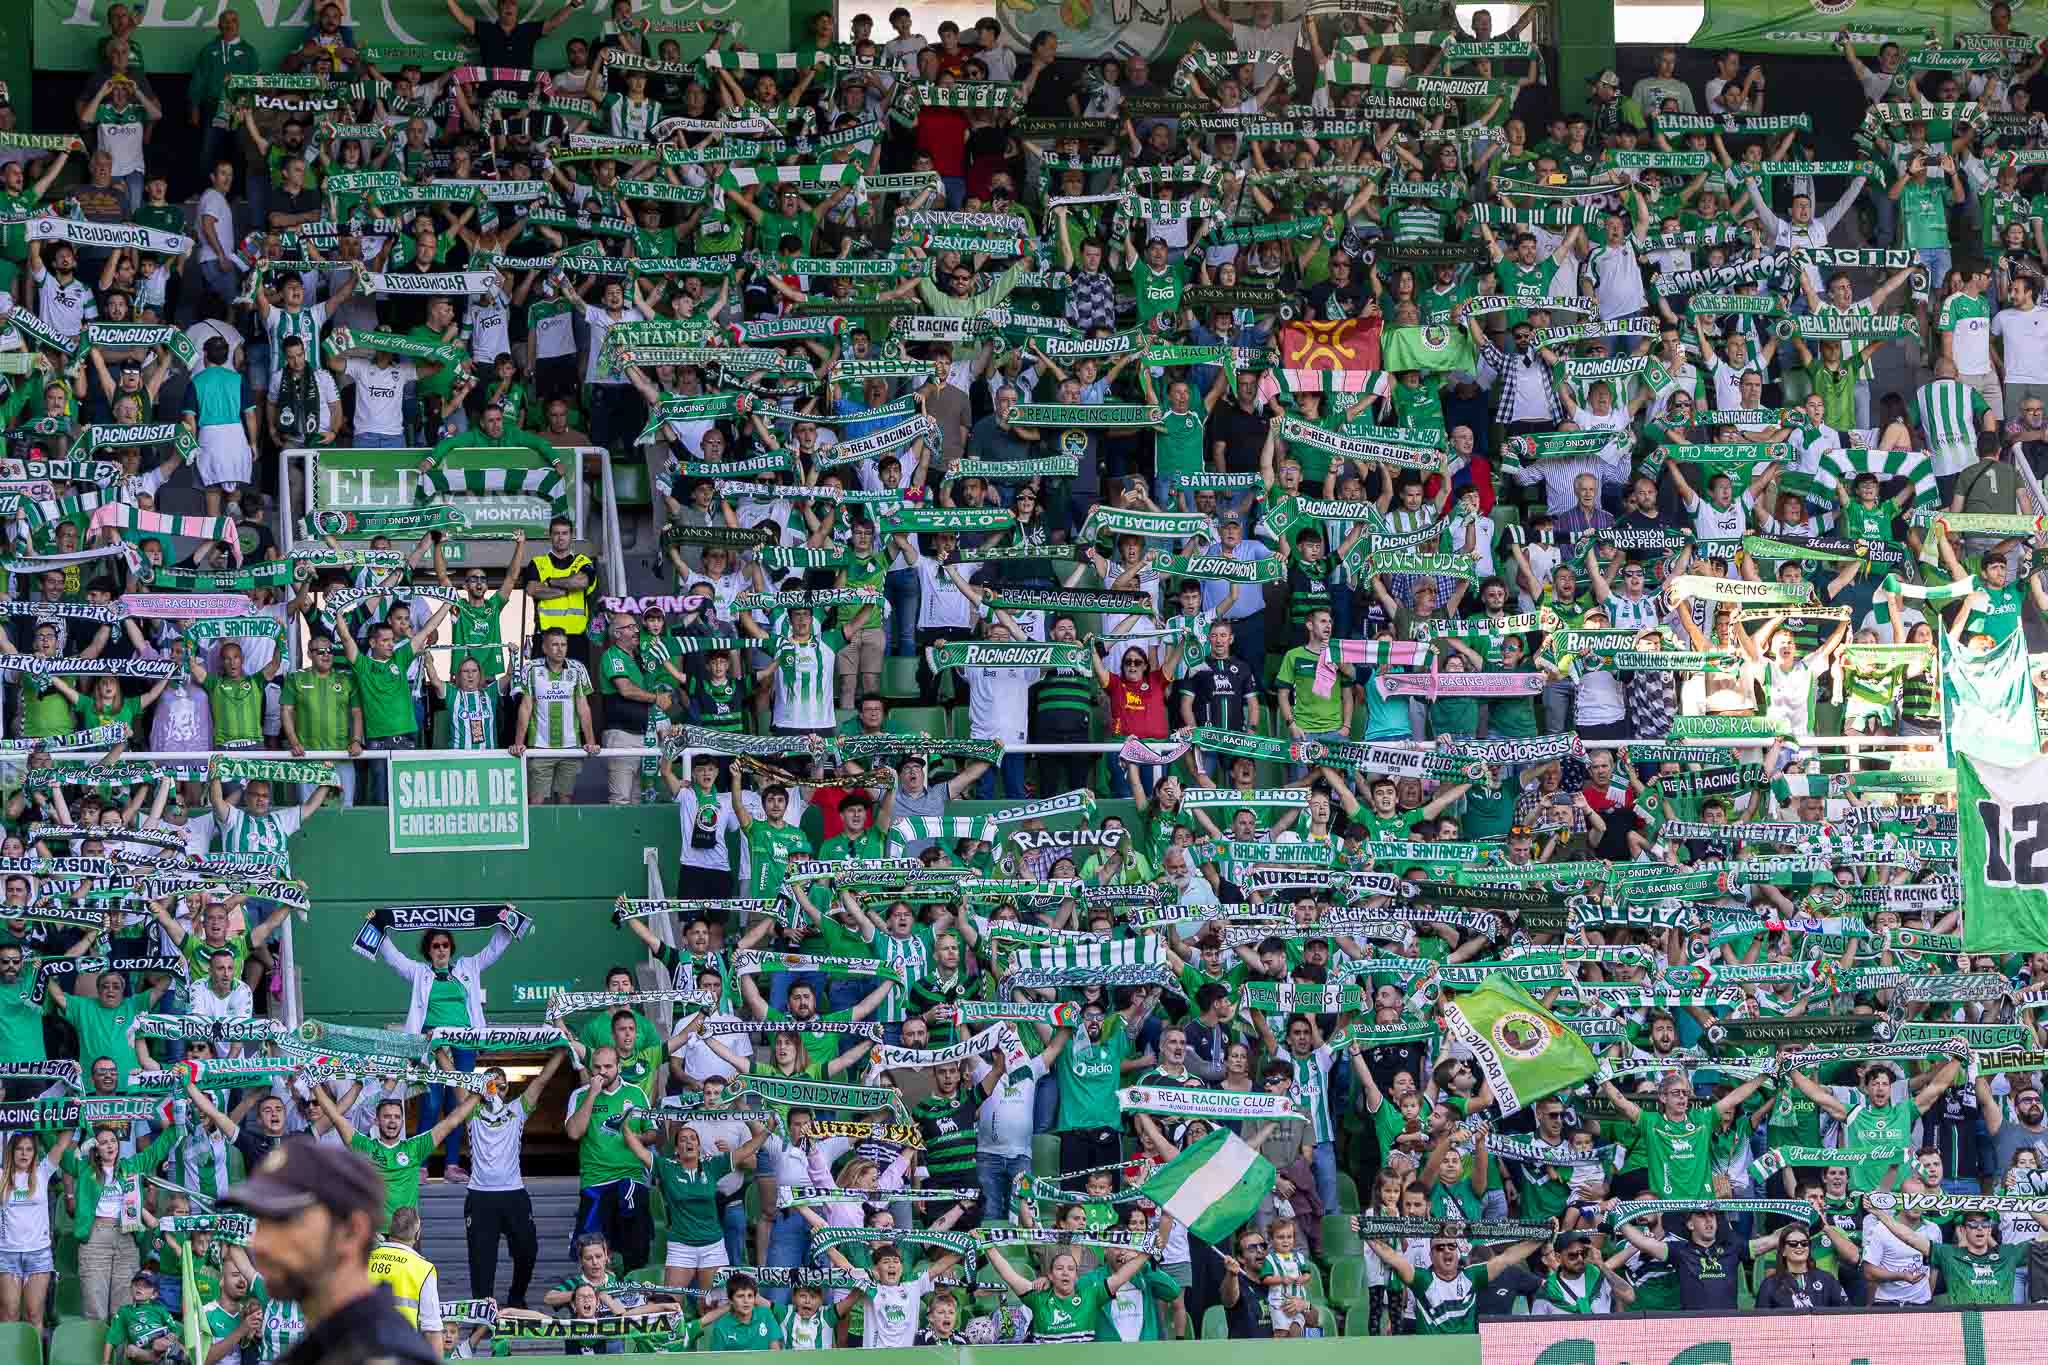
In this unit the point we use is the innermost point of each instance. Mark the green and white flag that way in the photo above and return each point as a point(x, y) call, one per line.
point(1214, 1187)
point(2002, 819)
point(1987, 696)
point(1524, 1051)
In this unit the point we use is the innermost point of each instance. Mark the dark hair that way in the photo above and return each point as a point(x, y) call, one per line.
point(217, 350)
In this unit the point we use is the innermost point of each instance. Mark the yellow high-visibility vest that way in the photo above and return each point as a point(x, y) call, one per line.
point(406, 1271)
point(570, 611)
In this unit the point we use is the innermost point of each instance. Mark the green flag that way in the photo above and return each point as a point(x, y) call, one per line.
point(1987, 696)
point(1434, 348)
point(2002, 820)
point(1214, 1187)
point(1524, 1051)
point(197, 1342)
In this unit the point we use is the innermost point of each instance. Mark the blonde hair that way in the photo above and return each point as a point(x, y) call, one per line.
point(35, 1155)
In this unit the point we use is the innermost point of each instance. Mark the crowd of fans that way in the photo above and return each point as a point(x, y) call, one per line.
point(1387, 472)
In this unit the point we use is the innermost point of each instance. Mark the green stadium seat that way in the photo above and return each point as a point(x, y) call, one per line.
point(1338, 1238)
point(1215, 1324)
point(1358, 1321)
point(899, 677)
point(963, 723)
point(1347, 1193)
point(78, 1341)
point(1315, 1284)
point(20, 1344)
point(630, 486)
point(1045, 1154)
point(917, 720)
point(1347, 1279)
point(646, 1274)
point(1326, 1318)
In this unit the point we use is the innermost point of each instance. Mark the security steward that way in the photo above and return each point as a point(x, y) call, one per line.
point(563, 584)
point(414, 1286)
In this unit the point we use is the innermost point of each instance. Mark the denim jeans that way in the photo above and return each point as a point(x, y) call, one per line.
point(996, 1175)
point(220, 277)
point(441, 1100)
point(1937, 259)
point(734, 1217)
point(1013, 780)
point(899, 588)
point(1887, 218)
point(1324, 1164)
point(378, 440)
point(1120, 780)
point(1344, 600)
point(787, 1242)
point(380, 773)
point(1557, 706)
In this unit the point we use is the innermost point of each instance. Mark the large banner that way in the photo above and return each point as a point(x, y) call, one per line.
point(172, 32)
point(1915, 1337)
point(2002, 821)
point(458, 802)
point(1809, 26)
point(347, 480)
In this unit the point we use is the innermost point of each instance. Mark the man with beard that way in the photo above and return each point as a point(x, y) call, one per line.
point(317, 1208)
point(2027, 1130)
point(253, 1143)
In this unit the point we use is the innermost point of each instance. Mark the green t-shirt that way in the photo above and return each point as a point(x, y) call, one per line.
point(1089, 1074)
point(1142, 1295)
point(319, 704)
point(477, 626)
point(691, 1199)
point(447, 1004)
point(1878, 1135)
point(1678, 1155)
point(21, 1023)
point(103, 1032)
point(1978, 1279)
point(1177, 448)
point(384, 693)
point(2001, 617)
point(1923, 213)
point(1314, 714)
point(401, 1163)
point(769, 850)
point(44, 710)
point(1446, 1307)
point(238, 709)
point(602, 1155)
point(1158, 291)
point(1060, 1318)
point(138, 1324)
point(768, 235)
point(760, 1332)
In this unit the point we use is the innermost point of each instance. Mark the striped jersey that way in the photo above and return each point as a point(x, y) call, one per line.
point(270, 832)
point(473, 719)
point(553, 725)
point(914, 956)
point(1949, 412)
point(303, 323)
point(1312, 1090)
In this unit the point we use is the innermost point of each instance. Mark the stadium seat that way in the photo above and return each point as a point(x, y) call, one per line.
point(1358, 1321)
point(1215, 1324)
point(20, 1344)
point(899, 678)
point(1338, 1238)
point(1326, 1319)
point(78, 1341)
point(646, 1274)
point(1045, 1154)
point(1347, 1193)
point(1347, 1280)
point(916, 720)
point(1315, 1284)
point(630, 486)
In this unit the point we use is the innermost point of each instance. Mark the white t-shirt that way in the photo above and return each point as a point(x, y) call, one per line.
point(892, 1315)
point(1714, 523)
point(1881, 1248)
point(999, 701)
point(2024, 334)
point(940, 603)
point(494, 1139)
point(596, 370)
point(25, 1209)
point(380, 395)
point(705, 825)
point(1280, 40)
point(213, 204)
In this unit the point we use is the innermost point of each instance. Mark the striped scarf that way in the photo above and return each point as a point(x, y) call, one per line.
point(133, 525)
point(542, 483)
point(1914, 466)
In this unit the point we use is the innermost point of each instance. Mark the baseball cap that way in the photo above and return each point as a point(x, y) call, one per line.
point(1606, 77)
point(301, 1173)
point(909, 759)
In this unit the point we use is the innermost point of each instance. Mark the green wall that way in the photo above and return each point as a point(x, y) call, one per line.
point(16, 67)
point(582, 858)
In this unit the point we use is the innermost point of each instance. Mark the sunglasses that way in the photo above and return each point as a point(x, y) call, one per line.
point(1791, 1245)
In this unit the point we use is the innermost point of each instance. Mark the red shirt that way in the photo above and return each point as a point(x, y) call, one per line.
point(1138, 709)
point(943, 133)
